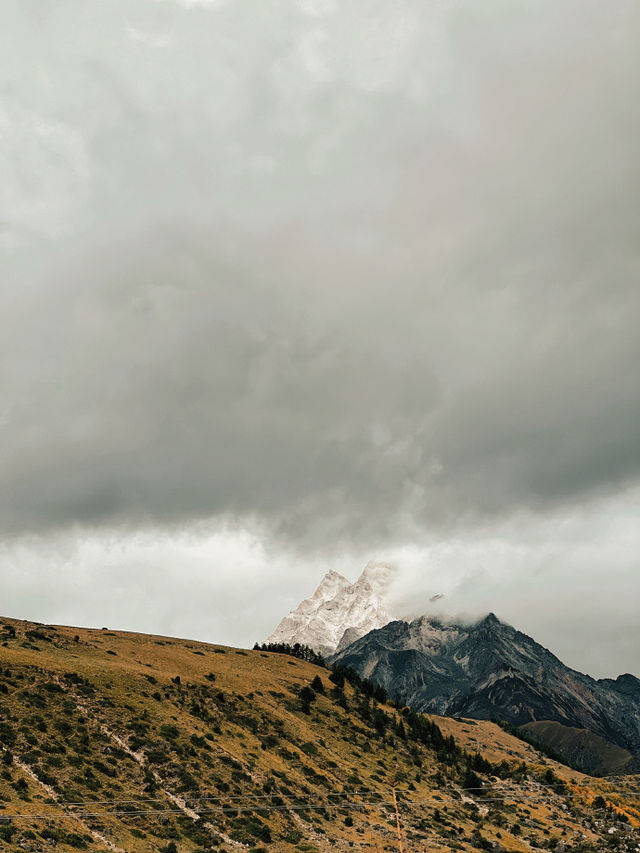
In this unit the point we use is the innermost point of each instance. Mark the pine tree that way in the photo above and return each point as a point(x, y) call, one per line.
point(307, 696)
point(317, 685)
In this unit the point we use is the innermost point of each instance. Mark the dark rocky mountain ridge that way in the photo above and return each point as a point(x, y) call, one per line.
point(490, 670)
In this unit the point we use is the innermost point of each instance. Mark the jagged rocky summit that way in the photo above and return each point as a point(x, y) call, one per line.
point(339, 612)
point(490, 670)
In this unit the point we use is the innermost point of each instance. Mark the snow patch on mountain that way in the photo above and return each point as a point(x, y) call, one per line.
point(339, 612)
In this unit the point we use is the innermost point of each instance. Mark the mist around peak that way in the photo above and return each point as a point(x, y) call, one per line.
point(339, 612)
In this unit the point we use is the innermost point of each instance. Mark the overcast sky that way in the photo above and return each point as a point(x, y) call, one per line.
point(286, 286)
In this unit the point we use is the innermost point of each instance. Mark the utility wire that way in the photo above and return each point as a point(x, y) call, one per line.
point(220, 809)
point(502, 792)
point(296, 806)
point(188, 798)
point(494, 787)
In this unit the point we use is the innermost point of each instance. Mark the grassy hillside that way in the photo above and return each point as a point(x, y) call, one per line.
point(128, 742)
point(580, 747)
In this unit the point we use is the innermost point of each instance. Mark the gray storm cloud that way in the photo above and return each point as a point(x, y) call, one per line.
point(358, 271)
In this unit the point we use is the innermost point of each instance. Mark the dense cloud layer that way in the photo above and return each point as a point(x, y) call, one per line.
point(370, 265)
point(356, 272)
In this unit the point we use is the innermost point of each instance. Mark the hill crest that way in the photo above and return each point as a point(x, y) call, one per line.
point(128, 742)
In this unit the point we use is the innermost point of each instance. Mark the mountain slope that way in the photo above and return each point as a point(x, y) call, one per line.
point(580, 747)
point(490, 670)
point(124, 742)
point(339, 612)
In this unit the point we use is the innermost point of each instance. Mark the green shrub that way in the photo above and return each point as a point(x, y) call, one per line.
point(292, 836)
point(74, 840)
point(7, 831)
point(169, 731)
point(7, 734)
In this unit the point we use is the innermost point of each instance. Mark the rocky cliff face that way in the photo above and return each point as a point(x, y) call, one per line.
point(490, 670)
point(339, 612)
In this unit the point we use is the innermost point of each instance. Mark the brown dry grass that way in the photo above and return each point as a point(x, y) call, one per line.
point(240, 734)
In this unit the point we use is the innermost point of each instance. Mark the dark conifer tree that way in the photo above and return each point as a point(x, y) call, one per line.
point(317, 685)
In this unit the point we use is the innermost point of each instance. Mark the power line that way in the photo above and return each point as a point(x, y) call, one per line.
point(296, 806)
point(221, 809)
point(502, 791)
point(189, 798)
point(491, 788)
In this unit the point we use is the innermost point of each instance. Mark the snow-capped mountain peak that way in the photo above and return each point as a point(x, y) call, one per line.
point(332, 584)
point(339, 612)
